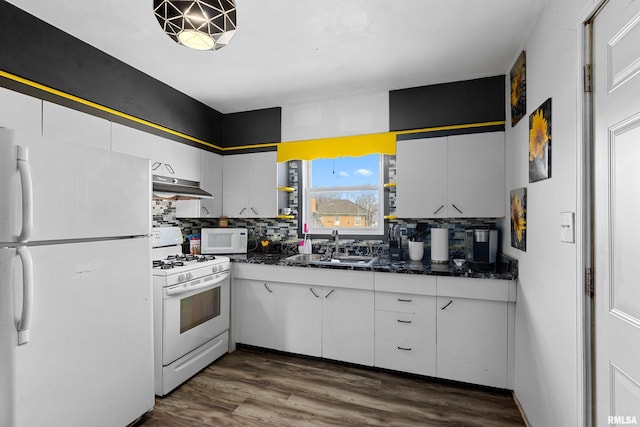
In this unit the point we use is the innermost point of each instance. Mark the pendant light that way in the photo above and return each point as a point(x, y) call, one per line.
point(198, 24)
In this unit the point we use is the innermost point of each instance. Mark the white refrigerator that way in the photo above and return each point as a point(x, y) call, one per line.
point(76, 335)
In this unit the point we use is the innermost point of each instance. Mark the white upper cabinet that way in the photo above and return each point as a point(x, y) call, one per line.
point(20, 112)
point(66, 124)
point(168, 158)
point(476, 175)
point(250, 185)
point(211, 181)
point(460, 176)
point(421, 175)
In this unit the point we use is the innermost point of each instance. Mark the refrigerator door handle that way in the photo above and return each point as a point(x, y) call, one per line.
point(27, 194)
point(27, 294)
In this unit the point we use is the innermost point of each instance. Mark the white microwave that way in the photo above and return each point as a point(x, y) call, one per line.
point(223, 241)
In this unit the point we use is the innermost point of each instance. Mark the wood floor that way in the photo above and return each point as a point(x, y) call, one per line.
point(251, 387)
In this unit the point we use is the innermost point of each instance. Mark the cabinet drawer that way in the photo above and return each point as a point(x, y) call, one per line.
point(417, 284)
point(417, 327)
point(404, 303)
point(417, 357)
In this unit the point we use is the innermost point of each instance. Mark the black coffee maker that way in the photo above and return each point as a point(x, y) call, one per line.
point(481, 247)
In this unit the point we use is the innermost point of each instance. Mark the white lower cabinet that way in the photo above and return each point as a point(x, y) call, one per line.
point(476, 323)
point(348, 325)
point(472, 341)
point(305, 317)
point(298, 317)
point(460, 329)
point(256, 323)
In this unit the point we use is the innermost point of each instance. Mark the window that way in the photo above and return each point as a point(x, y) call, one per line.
point(344, 193)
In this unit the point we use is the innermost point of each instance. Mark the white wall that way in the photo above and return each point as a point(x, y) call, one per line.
point(547, 327)
point(352, 115)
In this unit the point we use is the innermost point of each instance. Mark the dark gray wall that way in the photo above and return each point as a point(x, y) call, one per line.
point(457, 103)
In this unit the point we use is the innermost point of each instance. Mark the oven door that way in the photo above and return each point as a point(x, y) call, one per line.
point(194, 313)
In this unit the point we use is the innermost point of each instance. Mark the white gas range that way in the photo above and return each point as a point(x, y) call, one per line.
point(191, 309)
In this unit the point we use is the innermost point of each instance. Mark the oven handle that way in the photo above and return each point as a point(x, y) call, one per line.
point(186, 289)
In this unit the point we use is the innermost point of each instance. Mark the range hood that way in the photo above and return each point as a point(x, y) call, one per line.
point(177, 189)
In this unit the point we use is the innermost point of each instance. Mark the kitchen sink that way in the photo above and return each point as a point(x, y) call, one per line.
point(303, 258)
point(346, 260)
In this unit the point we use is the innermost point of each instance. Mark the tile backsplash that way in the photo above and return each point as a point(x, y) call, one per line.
point(276, 229)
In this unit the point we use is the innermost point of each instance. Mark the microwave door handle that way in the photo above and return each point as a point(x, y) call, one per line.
point(27, 193)
point(27, 294)
point(184, 290)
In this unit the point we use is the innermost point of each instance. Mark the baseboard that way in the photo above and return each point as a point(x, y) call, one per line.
point(522, 413)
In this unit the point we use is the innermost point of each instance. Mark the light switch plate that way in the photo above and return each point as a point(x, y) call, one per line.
point(567, 227)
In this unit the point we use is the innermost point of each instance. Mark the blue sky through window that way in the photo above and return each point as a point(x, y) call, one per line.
point(345, 171)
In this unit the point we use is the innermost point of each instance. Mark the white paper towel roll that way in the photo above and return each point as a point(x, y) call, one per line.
point(439, 245)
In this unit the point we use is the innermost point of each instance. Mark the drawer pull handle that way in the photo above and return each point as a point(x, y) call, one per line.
point(330, 292)
point(268, 288)
point(456, 208)
point(404, 300)
point(404, 348)
point(447, 305)
point(314, 293)
point(404, 321)
point(439, 209)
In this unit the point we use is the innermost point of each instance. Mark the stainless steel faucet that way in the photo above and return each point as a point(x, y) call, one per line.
point(335, 237)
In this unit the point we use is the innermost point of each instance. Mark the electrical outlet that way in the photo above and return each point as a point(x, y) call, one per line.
point(567, 227)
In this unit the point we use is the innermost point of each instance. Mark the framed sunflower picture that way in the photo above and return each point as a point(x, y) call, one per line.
point(540, 142)
point(518, 199)
point(518, 77)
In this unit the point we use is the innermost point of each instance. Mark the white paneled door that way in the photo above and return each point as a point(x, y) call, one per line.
point(616, 67)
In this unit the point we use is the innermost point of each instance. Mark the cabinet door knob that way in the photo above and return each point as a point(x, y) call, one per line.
point(268, 288)
point(447, 304)
point(439, 209)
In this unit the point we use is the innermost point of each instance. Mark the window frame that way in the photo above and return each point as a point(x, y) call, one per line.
point(347, 232)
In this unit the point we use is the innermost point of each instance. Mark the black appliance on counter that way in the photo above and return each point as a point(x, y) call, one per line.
point(481, 247)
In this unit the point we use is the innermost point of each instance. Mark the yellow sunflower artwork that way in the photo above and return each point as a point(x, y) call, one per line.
point(518, 78)
point(519, 218)
point(540, 143)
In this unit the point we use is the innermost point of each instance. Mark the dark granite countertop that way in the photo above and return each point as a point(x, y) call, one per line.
point(507, 269)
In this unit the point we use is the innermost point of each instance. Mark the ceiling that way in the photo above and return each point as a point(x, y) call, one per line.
point(289, 52)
